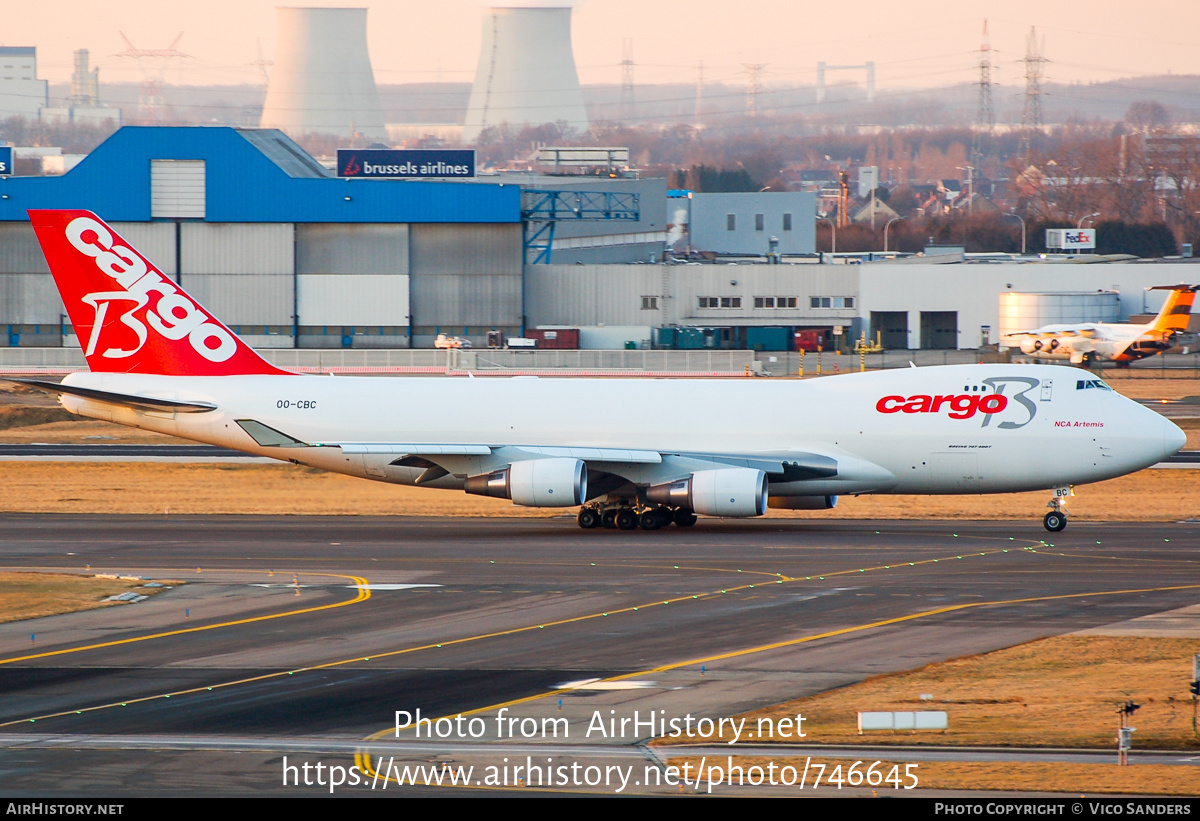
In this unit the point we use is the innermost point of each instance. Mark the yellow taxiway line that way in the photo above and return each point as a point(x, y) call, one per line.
point(363, 594)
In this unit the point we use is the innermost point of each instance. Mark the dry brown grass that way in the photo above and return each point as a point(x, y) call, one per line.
point(1055, 692)
point(22, 417)
point(33, 595)
point(155, 488)
point(152, 488)
point(1146, 384)
point(1143, 779)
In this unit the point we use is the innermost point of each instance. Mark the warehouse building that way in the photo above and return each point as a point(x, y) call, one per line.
point(916, 305)
point(272, 243)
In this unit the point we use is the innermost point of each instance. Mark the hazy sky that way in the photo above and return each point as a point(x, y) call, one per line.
point(928, 43)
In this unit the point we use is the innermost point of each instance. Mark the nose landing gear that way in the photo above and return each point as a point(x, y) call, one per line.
point(1056, 519)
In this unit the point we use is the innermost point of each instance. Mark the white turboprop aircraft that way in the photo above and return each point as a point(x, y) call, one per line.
point(631, 452)
point(1110, 341)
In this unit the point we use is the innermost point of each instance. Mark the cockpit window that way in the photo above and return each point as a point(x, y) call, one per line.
point(1088, 384)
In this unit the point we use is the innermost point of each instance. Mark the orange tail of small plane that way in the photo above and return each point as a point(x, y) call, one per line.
point(1177, 310)
point(129, 317)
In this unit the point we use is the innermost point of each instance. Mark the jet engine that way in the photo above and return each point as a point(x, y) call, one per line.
point(535, 483)
point(723, 492)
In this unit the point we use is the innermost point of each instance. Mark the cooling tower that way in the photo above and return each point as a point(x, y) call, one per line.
point(322, 80)
point(526, 73)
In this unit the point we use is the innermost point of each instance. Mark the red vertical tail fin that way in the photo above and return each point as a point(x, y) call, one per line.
point(129, 317)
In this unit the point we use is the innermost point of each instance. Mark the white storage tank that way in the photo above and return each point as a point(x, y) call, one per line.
point(1029, 311)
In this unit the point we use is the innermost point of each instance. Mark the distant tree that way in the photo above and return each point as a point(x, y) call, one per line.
point(719, 180)
point(73, 138)
point(1147, 240)
point(903, 200)
point(1147, 115)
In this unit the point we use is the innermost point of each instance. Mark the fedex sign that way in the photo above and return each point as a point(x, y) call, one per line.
point(1071, 238)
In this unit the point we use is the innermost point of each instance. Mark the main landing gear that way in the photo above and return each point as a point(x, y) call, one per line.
point(625, 517)
point(1056, 519)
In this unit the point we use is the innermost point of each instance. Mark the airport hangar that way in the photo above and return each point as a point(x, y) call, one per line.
point(291, 256)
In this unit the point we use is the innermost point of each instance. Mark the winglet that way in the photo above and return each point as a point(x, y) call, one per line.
point(129, 317)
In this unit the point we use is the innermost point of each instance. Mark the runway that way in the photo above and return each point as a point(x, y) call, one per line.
point(301, 636)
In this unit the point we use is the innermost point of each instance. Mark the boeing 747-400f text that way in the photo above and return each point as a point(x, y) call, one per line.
point(628, 452)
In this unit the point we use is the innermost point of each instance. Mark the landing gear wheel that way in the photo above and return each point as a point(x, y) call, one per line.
point(626, 519)
point(684, 518)
point(651, 520)
point(588, 518)
point(1054, 521)
point(609, 518)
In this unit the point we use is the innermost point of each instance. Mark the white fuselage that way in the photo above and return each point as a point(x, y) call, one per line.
point(953, 429)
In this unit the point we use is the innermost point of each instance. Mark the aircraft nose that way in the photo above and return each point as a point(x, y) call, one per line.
point(1151, 436)
point(1173, 438)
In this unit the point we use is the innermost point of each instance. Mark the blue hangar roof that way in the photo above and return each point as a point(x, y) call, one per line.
point(250, 176)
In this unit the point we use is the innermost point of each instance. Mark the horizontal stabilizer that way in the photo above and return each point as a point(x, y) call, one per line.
point(124, 400)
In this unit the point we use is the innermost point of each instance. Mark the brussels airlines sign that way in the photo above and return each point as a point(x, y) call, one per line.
point(402, 163)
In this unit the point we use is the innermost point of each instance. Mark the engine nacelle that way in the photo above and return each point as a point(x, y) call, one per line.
point(535, 483)
point(1045, 346)
point(803, 502)
point(723, 492)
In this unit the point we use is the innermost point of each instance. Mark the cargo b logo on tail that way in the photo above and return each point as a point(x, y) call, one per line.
point(139, 320)
point(173, 315)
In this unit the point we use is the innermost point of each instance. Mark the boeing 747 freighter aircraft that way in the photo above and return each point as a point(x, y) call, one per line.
point(628, 452)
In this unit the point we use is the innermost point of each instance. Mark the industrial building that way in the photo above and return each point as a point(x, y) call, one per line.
point(752, 223)
point(906, 306)
point(282, 251)
point(22, 94)
point(84, 104)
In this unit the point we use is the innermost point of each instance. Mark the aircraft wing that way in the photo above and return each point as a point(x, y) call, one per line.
point(1044, 334)
point(633, 465)
point(788, 464)
point(788, 467)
